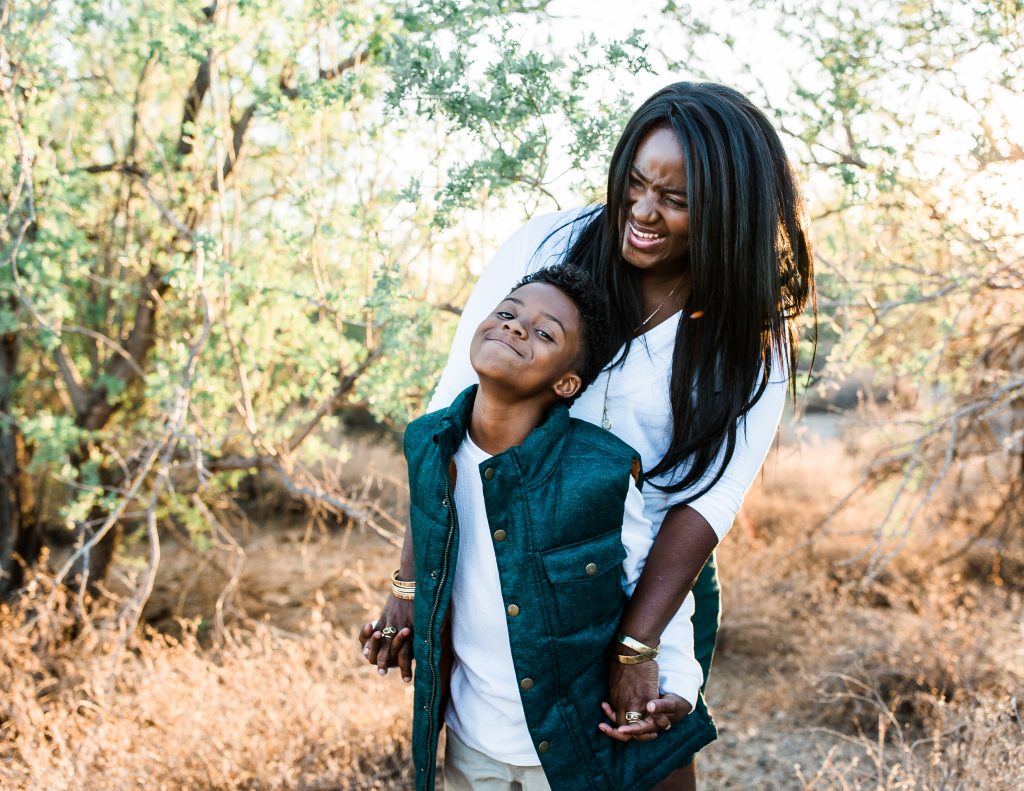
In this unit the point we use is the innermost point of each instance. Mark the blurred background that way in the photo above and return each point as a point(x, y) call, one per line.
point(235, 242)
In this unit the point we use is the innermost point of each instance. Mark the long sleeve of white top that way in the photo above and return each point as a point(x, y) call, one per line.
point(679, 670)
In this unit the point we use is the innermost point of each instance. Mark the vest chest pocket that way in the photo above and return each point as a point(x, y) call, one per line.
point(585, 579)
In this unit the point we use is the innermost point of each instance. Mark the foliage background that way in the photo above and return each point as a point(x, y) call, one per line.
point(235, 233)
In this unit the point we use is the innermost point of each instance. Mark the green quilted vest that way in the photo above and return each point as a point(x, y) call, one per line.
point(554, 507)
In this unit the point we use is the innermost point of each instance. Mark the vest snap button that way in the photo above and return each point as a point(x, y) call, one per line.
point(526, 683)
point(591, 569)
point(543, 747)
point(513, 610)
point(500, 535)
point(489, 473)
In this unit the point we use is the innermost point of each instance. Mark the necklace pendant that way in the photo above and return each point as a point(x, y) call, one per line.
point(606, 424)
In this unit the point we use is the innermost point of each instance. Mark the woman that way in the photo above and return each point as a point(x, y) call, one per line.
point(704, 252)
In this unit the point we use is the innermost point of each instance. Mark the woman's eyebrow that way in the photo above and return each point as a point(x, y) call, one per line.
point(645, 178)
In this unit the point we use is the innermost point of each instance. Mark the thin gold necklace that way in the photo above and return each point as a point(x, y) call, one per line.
point(664, 302)
point(606, 422)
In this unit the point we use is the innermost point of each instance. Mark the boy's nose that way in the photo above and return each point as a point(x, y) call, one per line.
point(515, 328)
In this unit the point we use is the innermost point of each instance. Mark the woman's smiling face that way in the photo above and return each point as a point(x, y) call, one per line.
point(656, 222)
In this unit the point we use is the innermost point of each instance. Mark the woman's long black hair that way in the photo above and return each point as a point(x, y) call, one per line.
point(751, 267)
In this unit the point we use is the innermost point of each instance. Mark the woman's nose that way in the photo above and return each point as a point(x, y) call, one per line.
point(644, 207)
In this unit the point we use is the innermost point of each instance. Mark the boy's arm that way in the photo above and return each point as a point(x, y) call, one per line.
point(385, 652)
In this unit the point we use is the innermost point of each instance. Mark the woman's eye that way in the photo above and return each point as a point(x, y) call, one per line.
point(678, 204)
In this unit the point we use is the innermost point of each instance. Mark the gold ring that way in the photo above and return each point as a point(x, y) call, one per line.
point(388, 632)
point(634, 716)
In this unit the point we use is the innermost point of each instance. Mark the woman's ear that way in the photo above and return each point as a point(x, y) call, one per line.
point(568, 386)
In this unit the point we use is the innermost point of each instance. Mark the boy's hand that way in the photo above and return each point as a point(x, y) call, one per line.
point(395, 651)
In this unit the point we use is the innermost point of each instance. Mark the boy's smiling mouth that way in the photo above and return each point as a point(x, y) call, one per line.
point(505, 343)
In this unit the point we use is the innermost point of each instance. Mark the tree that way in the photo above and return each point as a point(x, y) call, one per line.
point(905, 119)
point(225, 224)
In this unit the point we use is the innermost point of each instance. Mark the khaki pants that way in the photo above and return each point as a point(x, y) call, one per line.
point(466, 769)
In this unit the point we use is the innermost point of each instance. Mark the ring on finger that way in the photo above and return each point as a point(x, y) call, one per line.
point(388, 632)
point(634, 716)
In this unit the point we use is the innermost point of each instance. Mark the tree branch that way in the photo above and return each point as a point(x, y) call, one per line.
point(72, 380)
point(349, 63)
point(193, 101)
point(334, 402)
point(128, 367)
point(238, 130)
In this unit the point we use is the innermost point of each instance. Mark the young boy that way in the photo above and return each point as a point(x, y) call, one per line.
point(521, 518)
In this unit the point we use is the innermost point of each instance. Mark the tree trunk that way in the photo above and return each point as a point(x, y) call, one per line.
point(92, 565)
point(19, 528)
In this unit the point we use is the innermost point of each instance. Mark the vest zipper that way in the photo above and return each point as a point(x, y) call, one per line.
point(434, 684)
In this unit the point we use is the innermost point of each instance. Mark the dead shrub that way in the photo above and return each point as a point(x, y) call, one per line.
point(263, 709)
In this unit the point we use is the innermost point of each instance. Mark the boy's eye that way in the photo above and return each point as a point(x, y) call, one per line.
point(504, 314)
point(546, 336)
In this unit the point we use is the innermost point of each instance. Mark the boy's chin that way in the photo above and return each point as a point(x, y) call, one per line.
point(506, 386)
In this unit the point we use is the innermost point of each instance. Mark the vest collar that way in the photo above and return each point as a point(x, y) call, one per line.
point(538, 454)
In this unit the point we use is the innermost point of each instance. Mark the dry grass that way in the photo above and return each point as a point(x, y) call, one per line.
point(830, 677)
point(263, 709)
point(825, 678)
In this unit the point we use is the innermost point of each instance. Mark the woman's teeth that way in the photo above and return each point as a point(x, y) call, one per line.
point(643, 235)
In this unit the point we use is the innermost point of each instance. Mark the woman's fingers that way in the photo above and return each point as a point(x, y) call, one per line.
point(385, 658)
point(613, 733)
point(642, 730)
point(667, 710)
point(659, 715)
point(365, 638)
point(371, 643)
point(387, 642)
point(402, 645)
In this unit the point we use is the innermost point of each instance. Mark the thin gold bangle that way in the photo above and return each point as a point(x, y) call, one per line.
point(636, 645)
point(635, 659)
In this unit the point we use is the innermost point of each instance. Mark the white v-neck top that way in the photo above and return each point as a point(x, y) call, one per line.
point(639, 406)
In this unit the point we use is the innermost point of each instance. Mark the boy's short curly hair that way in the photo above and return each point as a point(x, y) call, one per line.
point(590, 301)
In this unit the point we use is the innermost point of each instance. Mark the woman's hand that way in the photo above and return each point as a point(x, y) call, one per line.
point(635, 688)
point(395, 651)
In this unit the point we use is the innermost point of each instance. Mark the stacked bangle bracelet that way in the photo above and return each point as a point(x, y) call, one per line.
point(644, 653)
point(400, 589)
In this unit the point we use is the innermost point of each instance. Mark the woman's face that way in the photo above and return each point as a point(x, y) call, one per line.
point(656, 232)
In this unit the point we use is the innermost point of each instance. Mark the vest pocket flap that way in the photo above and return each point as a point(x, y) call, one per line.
point(586, 559)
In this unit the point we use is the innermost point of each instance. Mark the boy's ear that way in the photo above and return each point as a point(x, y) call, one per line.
point(568, 386)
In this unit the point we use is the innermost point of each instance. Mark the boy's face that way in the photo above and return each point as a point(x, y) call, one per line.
point(530, 343)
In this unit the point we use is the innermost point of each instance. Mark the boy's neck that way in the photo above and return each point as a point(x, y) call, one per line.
point(497, 424)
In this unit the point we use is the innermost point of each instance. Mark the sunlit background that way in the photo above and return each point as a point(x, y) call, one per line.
point(237, 237)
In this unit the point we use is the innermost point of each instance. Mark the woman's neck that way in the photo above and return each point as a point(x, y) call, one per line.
point(663, 296)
